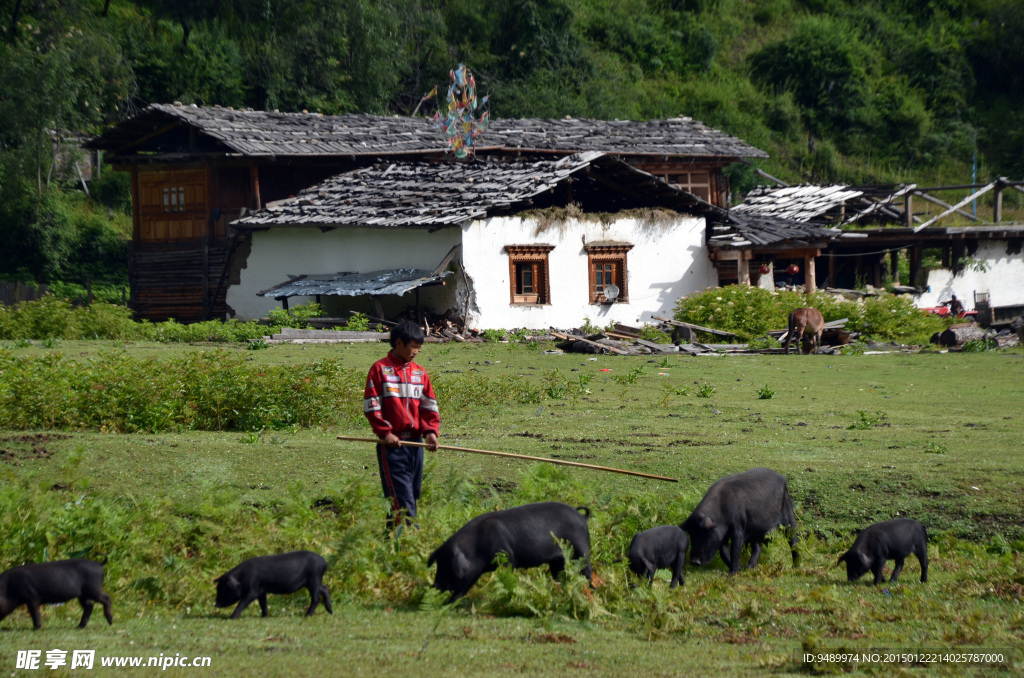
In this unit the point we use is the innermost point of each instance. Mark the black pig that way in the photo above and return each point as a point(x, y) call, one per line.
point(891, 540)
point(253, 579)
point(737, 509)
point(659, 548)
point(526, 534)
point(54, 582)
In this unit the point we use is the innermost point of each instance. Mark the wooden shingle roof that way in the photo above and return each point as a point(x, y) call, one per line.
point(742, 230)
point(262, 133)
point(431, 195)
point(803, 203)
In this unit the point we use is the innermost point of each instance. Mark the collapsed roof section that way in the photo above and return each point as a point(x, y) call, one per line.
point(435, 195)
point(163, 129)
point(752, 230)
point(806, 203)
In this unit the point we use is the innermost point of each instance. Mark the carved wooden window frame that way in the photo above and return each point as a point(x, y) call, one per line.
point(173, 198)
point(604, 255)
point(536, 258)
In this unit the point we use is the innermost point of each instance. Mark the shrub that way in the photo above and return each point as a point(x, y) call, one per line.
point(750, 312)
point(204, 390)
point(52, 317)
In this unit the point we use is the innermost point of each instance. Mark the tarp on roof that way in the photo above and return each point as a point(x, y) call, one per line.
point(398, 281)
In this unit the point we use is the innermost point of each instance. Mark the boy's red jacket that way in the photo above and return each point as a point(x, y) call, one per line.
point(399, 399)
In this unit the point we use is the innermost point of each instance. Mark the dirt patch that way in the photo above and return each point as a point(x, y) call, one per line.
point(326, 505)
point(558, 638)
point(16, 449)
point(702, 443)
point(527, 434)
point(738, 638)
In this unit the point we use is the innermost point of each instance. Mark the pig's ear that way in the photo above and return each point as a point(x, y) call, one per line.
point(707, 523)
point(649, 565)
point(864, 558)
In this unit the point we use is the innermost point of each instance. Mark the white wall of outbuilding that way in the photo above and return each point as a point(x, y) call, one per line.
point(1000, 274)
point(668, 260)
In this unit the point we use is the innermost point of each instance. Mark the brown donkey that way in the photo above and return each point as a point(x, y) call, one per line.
point(807, 320)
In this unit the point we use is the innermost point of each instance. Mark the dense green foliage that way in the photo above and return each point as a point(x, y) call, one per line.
point(841, 90)
point(207, 391)
point(750, 312)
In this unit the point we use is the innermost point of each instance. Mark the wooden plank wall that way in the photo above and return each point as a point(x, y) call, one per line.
point(162, 223)
point(170, 280)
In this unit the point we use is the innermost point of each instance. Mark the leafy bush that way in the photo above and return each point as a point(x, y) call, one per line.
point(297, 316)
point(111, 294)
point(210, 391)
point(750, 312)
point(215, 391)
point(53, 317)
point(358, 322)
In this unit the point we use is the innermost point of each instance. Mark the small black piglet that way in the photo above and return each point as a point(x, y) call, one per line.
point(54, 582)
point(891, 540)
point(254, 578)
point(662, 547)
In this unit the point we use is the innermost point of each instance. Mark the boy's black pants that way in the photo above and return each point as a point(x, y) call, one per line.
point(401, 474)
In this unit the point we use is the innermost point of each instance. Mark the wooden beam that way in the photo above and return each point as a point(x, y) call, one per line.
point(619, 351)
point(997, 207)
point(810, 284)
point(956, 208)
point(678, 323)
point(136, 206)
point(254, 175)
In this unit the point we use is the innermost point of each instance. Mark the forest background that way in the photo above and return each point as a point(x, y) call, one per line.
point(864, 92)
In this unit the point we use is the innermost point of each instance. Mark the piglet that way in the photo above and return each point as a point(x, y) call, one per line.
point(891, 540)
point(253, 579)
point(54, 582)
point(662, 547)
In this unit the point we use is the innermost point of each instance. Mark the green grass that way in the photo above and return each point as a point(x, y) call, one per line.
point(932, 436)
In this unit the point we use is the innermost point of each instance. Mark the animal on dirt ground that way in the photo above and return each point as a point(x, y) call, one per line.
point(807, 324)
point(891, 540)
point(740, 509)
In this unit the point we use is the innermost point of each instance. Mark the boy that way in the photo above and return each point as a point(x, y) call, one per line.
point(399, 402)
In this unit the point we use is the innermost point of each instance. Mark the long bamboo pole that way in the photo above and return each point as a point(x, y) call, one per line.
point(518, 456)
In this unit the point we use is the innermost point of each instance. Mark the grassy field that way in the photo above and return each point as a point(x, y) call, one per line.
point(932, 436)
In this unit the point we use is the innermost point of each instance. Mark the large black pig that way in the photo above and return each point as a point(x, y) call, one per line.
point(738, 509)
point(891, 540)
point(54, 582)
point(526, 534)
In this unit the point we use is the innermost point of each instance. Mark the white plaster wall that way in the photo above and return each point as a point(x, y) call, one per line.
point(1003, 279)
point(667, 261)
point(279, 252)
